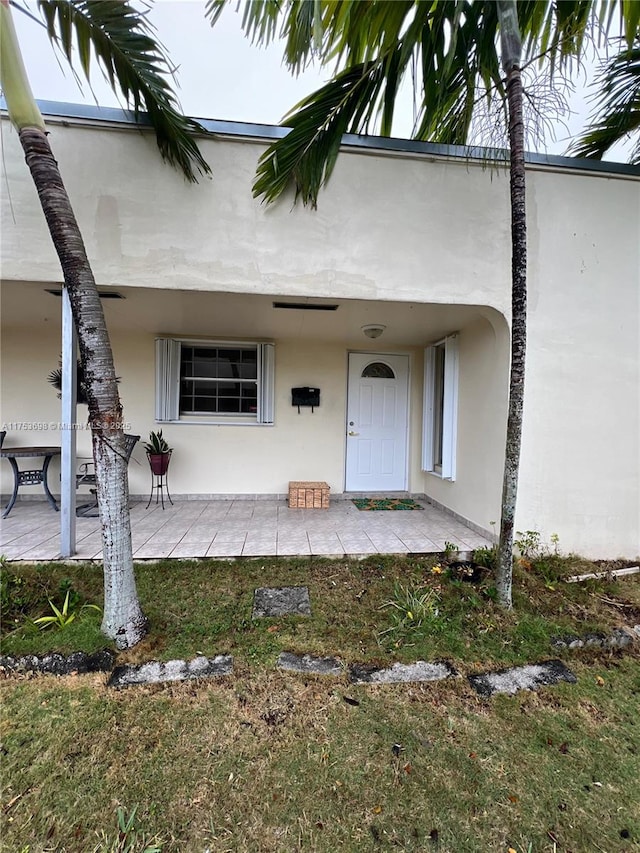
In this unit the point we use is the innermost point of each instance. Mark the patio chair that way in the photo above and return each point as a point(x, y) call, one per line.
point(86, 476)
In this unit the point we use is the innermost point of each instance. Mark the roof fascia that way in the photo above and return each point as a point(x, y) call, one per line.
point(250, 132)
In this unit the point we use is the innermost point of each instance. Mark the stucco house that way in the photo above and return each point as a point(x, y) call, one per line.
point(392, 300)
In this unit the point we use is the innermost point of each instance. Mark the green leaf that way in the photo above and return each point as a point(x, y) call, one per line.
point(45, 620)
point(58, 614)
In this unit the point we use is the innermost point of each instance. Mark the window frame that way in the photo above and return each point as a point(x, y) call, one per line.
point(168, 363)
point(445, 426)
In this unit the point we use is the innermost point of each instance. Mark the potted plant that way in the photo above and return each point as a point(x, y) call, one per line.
point(55, 379)
point(158, 453)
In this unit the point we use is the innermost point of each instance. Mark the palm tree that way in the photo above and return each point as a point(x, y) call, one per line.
point(458, 48)
point(511, 51)
point(122, 41)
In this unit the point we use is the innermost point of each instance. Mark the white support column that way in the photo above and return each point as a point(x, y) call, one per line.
point(68, 432)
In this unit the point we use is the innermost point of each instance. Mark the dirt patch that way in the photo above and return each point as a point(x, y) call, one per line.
point(613, 565)
point(627, 611)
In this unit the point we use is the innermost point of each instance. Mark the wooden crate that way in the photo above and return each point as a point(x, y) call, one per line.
point(308, 495)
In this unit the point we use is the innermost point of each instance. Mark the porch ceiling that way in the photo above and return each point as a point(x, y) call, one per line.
point(211, 314)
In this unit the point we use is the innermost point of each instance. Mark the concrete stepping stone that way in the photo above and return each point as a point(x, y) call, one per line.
point(308, 663)
point(281, 601)
point(401, 672)
point(528, 677)
point(57, 664)
point(619, 638)
point(155, 672)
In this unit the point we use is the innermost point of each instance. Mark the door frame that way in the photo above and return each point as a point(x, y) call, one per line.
point(407, 454)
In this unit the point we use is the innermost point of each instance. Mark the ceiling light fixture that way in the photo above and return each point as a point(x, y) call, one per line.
point(373, 330)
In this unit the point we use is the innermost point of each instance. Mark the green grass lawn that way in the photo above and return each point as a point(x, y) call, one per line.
point(204, 607)
point(265, 760)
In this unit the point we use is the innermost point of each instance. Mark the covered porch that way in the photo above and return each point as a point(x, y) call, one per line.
point(252, 527)
point(219, 458)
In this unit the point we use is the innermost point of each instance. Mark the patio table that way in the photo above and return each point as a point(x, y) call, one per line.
point(29, 477)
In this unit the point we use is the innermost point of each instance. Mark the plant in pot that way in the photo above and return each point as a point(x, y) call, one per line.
point(158, 453)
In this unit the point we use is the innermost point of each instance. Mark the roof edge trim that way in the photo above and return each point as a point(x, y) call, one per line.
point(270, 133)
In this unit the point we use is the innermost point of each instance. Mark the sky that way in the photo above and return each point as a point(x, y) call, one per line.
point(220, 75)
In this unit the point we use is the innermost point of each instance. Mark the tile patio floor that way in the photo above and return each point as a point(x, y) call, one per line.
point(242, 528)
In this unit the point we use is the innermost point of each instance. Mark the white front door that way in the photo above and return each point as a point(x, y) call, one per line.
point(377, 422)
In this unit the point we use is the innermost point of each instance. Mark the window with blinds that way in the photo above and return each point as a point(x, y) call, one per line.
point(214, 380)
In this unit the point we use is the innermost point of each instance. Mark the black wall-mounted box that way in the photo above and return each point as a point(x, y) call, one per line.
point(305, 397)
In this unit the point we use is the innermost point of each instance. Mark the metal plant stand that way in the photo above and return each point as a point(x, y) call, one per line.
point(159, 481)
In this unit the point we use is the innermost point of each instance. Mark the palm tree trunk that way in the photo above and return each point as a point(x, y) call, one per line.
point(511, 51)
point(123, 620)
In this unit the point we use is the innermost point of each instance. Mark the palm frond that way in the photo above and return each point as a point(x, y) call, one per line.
point(300, 22)
point(618, 111)
point(303, 33)
point(353, 100)
point(307, 154)
point(134, 62)
point(454, 44)
point(631, 22)
point(362, 31)
point(259, 17)
point(455, 73)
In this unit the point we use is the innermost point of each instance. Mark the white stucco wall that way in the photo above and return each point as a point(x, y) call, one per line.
point(580, 473)
point(403, 232)
point(143, 225)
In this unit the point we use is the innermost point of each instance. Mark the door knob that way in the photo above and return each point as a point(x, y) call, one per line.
point(351, 432)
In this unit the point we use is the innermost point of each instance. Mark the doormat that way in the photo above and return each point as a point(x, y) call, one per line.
point(377, 504)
